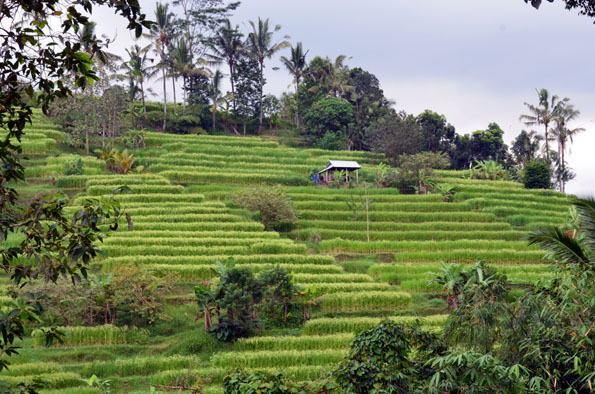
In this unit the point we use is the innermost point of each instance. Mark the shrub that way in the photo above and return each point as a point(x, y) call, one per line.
point(272, 204)
point(74, 166)
point(537, 175)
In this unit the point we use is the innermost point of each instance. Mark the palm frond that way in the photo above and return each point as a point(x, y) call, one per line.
point(563, 248)
point(586, 208)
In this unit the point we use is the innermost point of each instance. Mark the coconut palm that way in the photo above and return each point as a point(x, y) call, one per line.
point(296, 65)
point(214, 90)
point(543, 114)
point(161, 32)
point(565, 114)
point(183, 65)
point(138, 69)
point(259, 46)
point(225, 47)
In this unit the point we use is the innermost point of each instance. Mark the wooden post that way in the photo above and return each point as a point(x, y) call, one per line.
point(357, 176)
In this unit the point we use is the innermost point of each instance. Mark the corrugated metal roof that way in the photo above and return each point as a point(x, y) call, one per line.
point(341, 164)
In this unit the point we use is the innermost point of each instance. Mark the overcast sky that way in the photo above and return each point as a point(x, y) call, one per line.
point(475, 61)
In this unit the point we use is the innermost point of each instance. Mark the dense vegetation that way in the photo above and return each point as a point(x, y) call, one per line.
point(143, 254)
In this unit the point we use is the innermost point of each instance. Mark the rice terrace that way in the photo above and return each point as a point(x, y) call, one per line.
point(168, 225)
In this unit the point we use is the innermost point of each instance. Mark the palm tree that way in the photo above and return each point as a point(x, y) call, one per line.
point(160, 32)
point(565, 114)
point(259, 47)
point(138, 70)
point(183, 65)
point(214, 86)
point(296, 65)
point(226, 46)
point(543, 114)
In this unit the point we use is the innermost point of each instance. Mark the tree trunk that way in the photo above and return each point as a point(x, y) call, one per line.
point(164, 101)
point(87, 133)
point(297, 102)
point(142, 94)
point(547, 146)
point(214, 113)
point(260, 129)
point(184, 94)
point(173, 84)
point(233, 96)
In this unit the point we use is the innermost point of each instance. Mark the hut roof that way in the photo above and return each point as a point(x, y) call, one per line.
point(341, 165)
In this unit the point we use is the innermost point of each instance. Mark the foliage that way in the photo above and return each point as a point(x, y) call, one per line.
point(525, 147)
point(537, 175)
point(438, 135)
point(414, 170)
point(476, 321)
point(240, 382)
point(447, 191)
point(330, 114)
point(585, 7)
point(395, 134)
point(489, 169)
point(380, 359)
point(480, 145)
point(452, 277)
point(385, 175)
point(274, 207)
point(240, 298)
point(332, 141)
point(74, 166)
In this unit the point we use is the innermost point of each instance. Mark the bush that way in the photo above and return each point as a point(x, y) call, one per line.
point(537, 175)
point(272, 204)
point(332, 141)
point(74, 166)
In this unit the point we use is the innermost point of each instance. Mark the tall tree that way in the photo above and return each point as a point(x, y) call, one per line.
point(161, 33)
point(138, 69)
point(525, 147)
point(247, 81)
point(226, 45)
point(183, 66)
point(260, 47)
point(543, 114)
point(563, 134)
point(438, 134)
point(296, 65)
point(214, 89)
point(199, 22)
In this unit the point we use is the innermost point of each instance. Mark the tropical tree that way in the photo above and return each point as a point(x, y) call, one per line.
point(214, 89)
point(259, 46)
point(226, 46)
point(138, 69)
point(452, 277)
point(525, 147)
point(161, 33)
point(296, 65)
point(563, 134)
point(183, 65)
point(543, 114)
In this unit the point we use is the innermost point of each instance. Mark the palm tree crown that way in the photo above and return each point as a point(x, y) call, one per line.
point(296, 65)
point(225, 47)
point(259, 46)
point(543, 114)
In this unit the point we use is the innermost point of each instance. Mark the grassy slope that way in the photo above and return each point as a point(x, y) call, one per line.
point(182, 230)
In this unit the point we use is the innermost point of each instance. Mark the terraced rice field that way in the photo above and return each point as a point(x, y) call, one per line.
point(184, 221)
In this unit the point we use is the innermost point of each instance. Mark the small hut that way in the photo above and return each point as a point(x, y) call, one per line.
point(327, 175)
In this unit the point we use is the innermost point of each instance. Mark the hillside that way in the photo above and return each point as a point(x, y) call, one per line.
point(185, 221)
